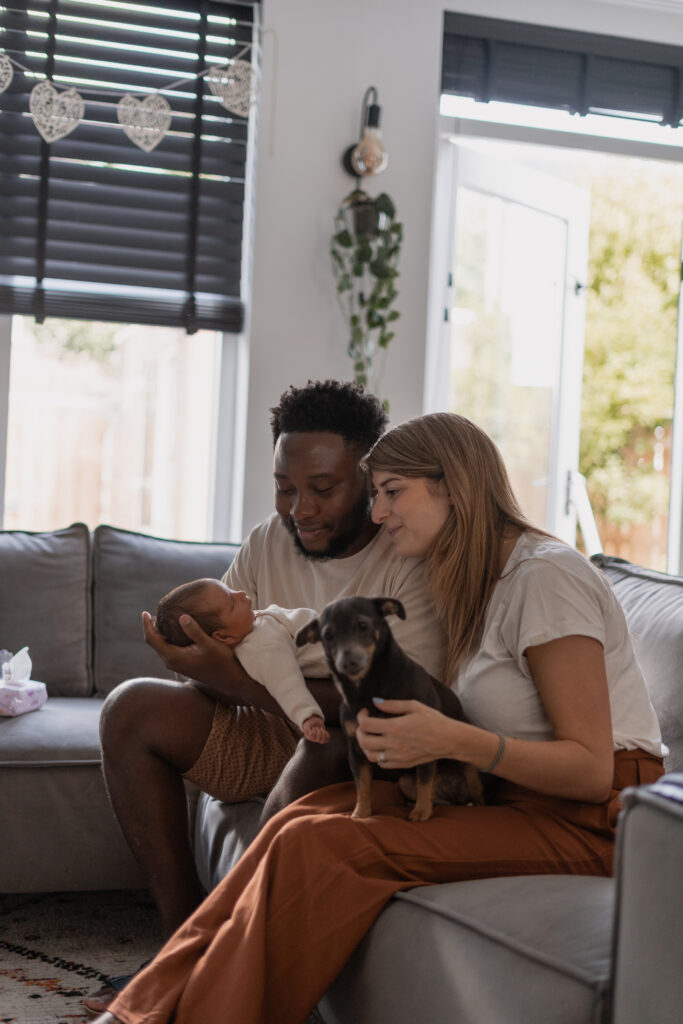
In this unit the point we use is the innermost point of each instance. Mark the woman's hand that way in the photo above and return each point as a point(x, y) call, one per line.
point(417, 735)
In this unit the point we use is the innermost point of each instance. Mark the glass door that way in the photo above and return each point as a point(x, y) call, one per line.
point(512, 334)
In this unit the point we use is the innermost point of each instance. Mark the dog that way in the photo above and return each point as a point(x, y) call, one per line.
point(366, 662)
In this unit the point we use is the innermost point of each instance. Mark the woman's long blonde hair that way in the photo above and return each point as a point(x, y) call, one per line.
point(463, 563)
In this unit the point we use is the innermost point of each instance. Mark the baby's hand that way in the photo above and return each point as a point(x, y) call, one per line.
point(314, 730)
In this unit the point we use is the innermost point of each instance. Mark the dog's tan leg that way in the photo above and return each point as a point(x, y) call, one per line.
point(424, 805)
point(363, 808)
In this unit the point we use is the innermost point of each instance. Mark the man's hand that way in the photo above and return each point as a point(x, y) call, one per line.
point(205, 660)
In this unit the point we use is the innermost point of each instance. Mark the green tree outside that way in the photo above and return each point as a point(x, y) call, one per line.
point(631, 324)
point(93, 340)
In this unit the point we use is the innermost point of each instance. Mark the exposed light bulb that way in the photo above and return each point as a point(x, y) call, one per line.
point(370, 156)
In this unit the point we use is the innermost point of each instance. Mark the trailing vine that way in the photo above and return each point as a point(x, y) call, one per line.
point(365, 248)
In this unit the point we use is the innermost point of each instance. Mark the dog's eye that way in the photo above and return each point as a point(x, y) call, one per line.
point(328, 635)
point(362, 627)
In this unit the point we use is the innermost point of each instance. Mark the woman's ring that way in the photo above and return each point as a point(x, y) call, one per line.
point(381, 757)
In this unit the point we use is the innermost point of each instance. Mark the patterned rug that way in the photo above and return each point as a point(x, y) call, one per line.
point(57, 947)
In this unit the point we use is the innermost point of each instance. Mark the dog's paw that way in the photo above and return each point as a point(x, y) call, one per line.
point(361, 812)
point(420, 813)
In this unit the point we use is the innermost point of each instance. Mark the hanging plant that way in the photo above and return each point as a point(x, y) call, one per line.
point(365, 248)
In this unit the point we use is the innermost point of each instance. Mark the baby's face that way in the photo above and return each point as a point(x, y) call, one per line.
point(232, 608)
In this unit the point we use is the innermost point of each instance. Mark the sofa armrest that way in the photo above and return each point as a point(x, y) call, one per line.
point(647, 980)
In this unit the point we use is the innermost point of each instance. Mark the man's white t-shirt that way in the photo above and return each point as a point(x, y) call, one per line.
point(549, 590)
point(271, 570)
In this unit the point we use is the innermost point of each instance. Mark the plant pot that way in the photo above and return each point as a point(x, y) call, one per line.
point(364, 214)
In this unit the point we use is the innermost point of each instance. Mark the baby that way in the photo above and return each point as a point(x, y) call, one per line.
point(263, 642)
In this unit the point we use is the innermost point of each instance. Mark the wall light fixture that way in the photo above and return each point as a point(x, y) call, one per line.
point(368, 156)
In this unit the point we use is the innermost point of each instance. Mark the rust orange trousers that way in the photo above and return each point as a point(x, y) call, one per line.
point(268, 941)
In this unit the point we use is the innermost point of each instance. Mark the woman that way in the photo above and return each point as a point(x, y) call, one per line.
point(539, 653)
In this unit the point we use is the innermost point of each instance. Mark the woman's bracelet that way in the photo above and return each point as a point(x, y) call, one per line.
point(499, 753)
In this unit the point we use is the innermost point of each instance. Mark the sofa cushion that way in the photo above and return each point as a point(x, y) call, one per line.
point(58, 828)
point(653, 604)
point(131, 571)
point(501, 949)
point(45, 605)
point(64, 732)
point(222, 832)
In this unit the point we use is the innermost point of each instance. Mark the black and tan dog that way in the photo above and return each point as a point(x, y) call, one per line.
point(366, 662)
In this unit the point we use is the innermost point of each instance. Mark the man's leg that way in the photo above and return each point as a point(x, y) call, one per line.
point(152, 731)
point(313, 766)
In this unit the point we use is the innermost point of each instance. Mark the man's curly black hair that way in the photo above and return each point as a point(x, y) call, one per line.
point(330, 405)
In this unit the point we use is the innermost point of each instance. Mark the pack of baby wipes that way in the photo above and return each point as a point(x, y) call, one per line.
point(18, 692)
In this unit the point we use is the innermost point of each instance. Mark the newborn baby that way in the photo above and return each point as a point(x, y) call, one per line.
point(263, 642)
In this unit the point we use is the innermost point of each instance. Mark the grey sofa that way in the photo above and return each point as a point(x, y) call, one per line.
point(530, 950)
point(562, 950)
point(74, 598)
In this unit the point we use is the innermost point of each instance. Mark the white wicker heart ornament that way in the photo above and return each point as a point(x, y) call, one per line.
point(6, 72)
point(235, 86)
point(55, 114)
point(145, 122)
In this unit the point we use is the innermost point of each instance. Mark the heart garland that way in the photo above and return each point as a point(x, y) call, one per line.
point(145, 122)
point(6, 72)
point(235, 86)
point(55, 114)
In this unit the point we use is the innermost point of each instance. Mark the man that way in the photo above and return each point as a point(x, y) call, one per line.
point(224, 731)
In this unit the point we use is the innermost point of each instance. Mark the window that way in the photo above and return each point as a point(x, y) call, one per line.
point(111, 423)
point(123, 270)
point(93, 226)
point(508, 81)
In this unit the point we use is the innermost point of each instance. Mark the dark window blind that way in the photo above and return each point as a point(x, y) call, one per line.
point(93, 227)
point(490, 59)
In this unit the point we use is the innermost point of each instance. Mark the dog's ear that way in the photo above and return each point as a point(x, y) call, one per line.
point(309, 634)
point(389, 606)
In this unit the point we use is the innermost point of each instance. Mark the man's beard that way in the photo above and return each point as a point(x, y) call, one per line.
point(356, 522)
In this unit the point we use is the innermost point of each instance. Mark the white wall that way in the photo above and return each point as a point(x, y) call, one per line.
point(328, 52)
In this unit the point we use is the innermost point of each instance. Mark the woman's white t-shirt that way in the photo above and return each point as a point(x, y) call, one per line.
point(549, 590)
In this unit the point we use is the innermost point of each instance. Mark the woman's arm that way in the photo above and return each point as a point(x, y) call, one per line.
point(578, 764)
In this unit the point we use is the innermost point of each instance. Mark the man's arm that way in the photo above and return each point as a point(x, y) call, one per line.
point(216, 671)
point(210, 664)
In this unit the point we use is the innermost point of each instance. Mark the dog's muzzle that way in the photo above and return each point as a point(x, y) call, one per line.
point(352, 662)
